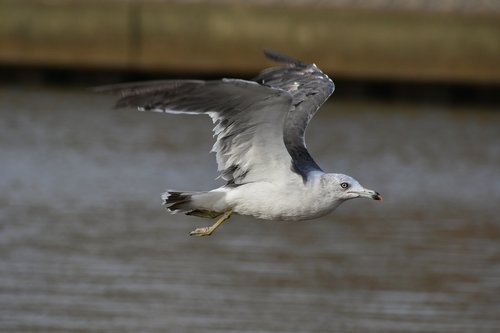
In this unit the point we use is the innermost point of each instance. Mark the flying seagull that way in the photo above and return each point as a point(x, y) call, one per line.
point(260, 148)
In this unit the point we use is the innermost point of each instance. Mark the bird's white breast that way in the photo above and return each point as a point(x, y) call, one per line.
point(293, 200)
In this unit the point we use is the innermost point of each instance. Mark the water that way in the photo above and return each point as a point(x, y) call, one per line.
point(86, 247)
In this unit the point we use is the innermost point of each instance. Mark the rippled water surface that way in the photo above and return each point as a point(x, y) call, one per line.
point(86, 247)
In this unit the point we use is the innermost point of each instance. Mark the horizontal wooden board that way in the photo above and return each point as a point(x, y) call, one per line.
point(226, 37)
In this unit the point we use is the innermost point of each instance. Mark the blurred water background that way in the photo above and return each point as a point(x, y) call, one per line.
point(85, 245)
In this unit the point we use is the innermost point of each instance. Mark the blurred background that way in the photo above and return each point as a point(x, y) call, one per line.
point(85, 245)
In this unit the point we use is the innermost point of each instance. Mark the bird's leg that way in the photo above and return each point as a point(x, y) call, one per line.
point(207, 231)
point(204, 213)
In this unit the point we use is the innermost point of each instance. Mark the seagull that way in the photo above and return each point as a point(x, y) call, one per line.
point(260, 147)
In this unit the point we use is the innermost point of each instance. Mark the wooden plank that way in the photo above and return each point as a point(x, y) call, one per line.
point(224, 37)
point(68, 33)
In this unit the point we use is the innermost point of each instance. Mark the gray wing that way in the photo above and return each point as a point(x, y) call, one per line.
point(249, 120)
point(309, 88)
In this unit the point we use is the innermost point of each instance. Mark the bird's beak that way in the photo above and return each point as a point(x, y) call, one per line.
point(370, 194)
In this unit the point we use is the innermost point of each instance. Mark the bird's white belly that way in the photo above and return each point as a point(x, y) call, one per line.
point(272, 202)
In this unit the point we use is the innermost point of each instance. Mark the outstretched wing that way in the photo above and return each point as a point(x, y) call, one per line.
point(309, 88)
point(249, 120)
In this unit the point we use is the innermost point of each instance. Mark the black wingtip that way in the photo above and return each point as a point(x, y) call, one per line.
point(280, 57)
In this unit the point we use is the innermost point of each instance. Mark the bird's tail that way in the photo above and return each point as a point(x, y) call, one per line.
point(177, 202)
point(201, 204)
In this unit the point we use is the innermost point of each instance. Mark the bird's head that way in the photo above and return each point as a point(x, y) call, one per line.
point(345, 187)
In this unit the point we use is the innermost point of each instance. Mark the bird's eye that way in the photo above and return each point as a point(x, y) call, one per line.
point(344, 185)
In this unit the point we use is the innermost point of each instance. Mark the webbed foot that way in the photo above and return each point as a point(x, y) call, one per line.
point(207, 231)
